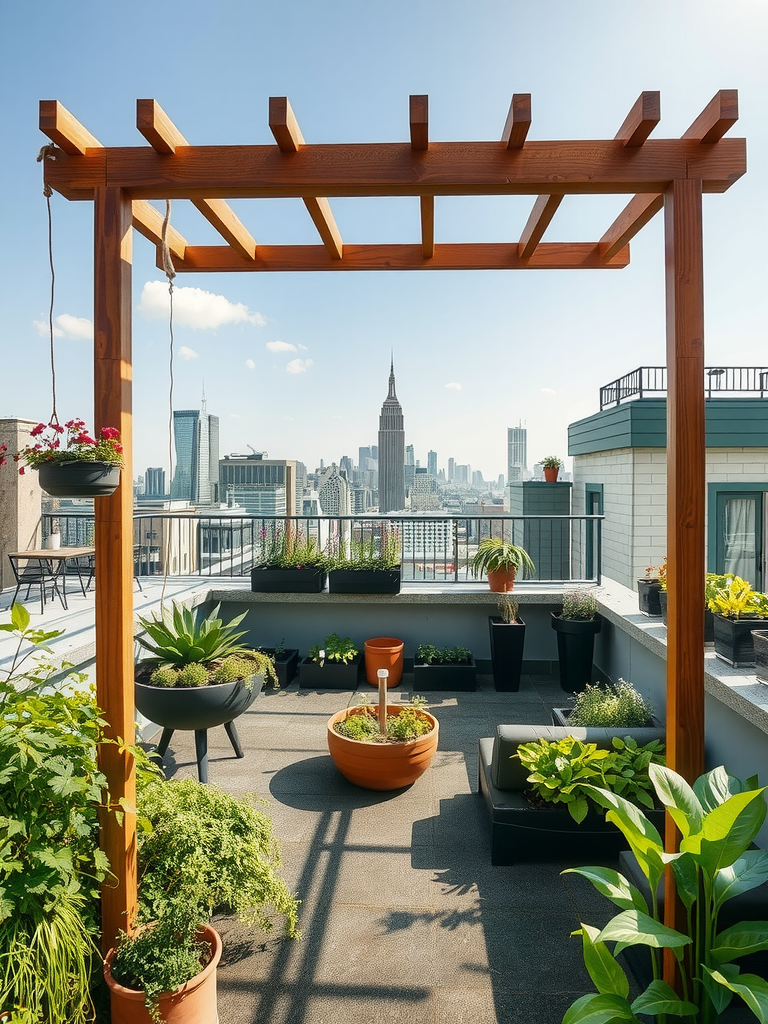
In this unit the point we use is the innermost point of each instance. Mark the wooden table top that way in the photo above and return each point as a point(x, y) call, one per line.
point(53, 554)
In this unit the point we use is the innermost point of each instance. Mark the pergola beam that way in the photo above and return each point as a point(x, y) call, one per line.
point(720, 114)
point(635, 215)
point(285, 128)
point(149, 222)
point(518, 121)
point(641, 120)
point(164, 137)
point(65, 130)
point(427, 211)
point(419, 122)
point(447, 256)
point(544, 209)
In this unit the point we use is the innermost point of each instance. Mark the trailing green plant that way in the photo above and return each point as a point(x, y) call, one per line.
point(371, 552)
point(718, 819)
point(508, 608)
point(567, 771)
point(428, 654)
point(281, 548)
point(613, 705)
point(496, 553)
point(551, 462)
point(579, 605)
point(334, 649)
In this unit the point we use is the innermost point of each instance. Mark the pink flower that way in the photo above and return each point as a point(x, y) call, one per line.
point(118, 447)
point(21, 471)
point(37, 431)
point(110, 433)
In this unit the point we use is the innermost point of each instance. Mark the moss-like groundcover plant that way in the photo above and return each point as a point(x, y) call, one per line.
point(718, 818)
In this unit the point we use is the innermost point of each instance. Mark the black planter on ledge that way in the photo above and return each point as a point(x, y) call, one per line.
point(734, 642)
point(648, 597)
point(461, 677)
point(575, 650)
point(287, 581)
point(709, 619)
point(364, 581)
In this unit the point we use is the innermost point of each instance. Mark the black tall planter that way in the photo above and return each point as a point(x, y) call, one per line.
point(575, 650)
point(709, 619)
point(507, 642)
point(78, 479)
point(648, 597)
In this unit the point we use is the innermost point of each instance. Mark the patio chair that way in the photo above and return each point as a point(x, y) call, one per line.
point(46, 575)
point(83, 568)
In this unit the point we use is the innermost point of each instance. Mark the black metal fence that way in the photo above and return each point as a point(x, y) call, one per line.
point(734, 381)
point(434, 548)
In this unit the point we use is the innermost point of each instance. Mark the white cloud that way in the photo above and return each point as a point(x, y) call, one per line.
point(281, 346)
point(234, 415)
point(298, 365)
point(187, 354)
point(250, 364)
point(78, 328)
point(194, 307)
point(453, 387)
point(547, 391)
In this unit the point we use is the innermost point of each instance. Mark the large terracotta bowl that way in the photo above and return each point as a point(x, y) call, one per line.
point(381, 765)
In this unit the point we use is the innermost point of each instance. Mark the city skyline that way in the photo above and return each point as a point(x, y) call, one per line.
point(293, 362)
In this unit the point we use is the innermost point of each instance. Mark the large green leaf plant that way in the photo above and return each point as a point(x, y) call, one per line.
point(180, 637)
point(718, 819)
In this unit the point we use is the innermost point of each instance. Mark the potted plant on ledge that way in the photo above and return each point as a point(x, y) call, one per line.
point(199, 676)
point(738, 609)
point(507, 641)
point(551, 465)
point(444, 668)
point(649, 589)
point(371, 566)
point(501, 560)
point(287, 563)
point(80, 467)
point(576, 627)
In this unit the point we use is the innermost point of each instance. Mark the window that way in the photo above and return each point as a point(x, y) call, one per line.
point(593, 506)
point(737, 514)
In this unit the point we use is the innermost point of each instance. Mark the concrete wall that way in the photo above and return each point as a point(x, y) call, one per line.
point(20, 498)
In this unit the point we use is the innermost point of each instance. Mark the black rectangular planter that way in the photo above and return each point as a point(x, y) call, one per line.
point(760, 641)
point(286, 663)
point(364, 581)
point(709, 621)
point(332, 675)
point(648, 597)
point(507, 642)
point(445, 677)
point(560, 717)
point(287, 581)
point(733, 640)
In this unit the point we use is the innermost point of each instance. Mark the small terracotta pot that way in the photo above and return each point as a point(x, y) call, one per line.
point(550, 474)
point(381, 766)
point(501, 581)
point(384, 652)
point(191, 1003)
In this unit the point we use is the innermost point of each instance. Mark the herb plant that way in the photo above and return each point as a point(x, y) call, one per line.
point(566, 771)
point(428, 654)
point(614, 706)
point(362, 724)
point(718, 818)
point(287, 549)
point(334, 649)
point(551, 462)
point(579, 605)
point(382, 551)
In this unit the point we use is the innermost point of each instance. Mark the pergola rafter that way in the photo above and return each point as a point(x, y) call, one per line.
point(672, 174)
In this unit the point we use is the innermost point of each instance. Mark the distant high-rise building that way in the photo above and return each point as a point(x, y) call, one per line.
point(432, 463)
point(334, 494)
point(410, 459)
point(462, 475)
point(517, 452)
point(347, 466)
point(451, 470)
point(154, 481)
point(260, 485)
point(391, 451)
point(193, 432)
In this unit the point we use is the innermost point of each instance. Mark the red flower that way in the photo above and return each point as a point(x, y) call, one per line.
point(110, 433)
point(36, 431)
point(118, 447)
point(21, 471)
point(83, 439)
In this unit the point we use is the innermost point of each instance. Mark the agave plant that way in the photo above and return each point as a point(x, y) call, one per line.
point(178, 638)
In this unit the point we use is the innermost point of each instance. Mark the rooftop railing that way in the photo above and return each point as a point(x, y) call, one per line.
point(435, 549)
point(744, 381)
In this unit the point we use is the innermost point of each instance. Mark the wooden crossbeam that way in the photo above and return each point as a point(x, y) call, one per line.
point(419, 121)
point(427, 204)
point(641, 120)
point(149, 222)
point(635, 215)
point(447, 256)
point(518, 121)
point(716, 118)
point(164, 137)
point(285, 128)
point(543, 211)
point(65, 130)
point(394, 169)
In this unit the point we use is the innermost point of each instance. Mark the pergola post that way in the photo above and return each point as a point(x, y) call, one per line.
point(685, 494)
point(114, 548)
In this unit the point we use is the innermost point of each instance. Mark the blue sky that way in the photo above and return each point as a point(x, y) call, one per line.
point(527, 346)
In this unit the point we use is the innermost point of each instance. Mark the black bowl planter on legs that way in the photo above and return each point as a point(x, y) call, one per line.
point(198, 709)
point(575, 650)
point(78, 479)
point(507, 642)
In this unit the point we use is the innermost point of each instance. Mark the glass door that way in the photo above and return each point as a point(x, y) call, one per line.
point(740, 535)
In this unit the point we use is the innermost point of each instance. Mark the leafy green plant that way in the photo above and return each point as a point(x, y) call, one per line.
point(362, 723)
point(614, 706)
point(567, 771)
point(369, 552)
point(181, 636)
point(334, 649)
point(734, 598)
point(287, 549)
point(495, 553)
point(718, 818)
point(428, 654)
point(580, 605)
point(551, 462)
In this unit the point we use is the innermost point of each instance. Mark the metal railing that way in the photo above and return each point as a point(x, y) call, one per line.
point(434, 548)
point(742, 381)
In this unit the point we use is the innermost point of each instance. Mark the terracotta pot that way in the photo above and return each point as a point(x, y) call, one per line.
point(381, 766)
point(501, 581)
point(550, 474)
point(384, 652)
point(191, 1003)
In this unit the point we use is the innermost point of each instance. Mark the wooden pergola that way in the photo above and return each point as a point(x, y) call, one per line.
point(655, 173)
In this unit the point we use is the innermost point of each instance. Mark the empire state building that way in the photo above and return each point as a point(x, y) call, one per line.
point(391, 451)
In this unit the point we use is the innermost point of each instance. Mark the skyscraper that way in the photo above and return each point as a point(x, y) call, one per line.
point(391, 451)
point(154, 481)
point(517, 452)
point(432, 463)
point(196, 438)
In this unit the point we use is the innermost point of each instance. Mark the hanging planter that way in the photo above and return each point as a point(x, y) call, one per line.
point(77, 466)
point(78, 479)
